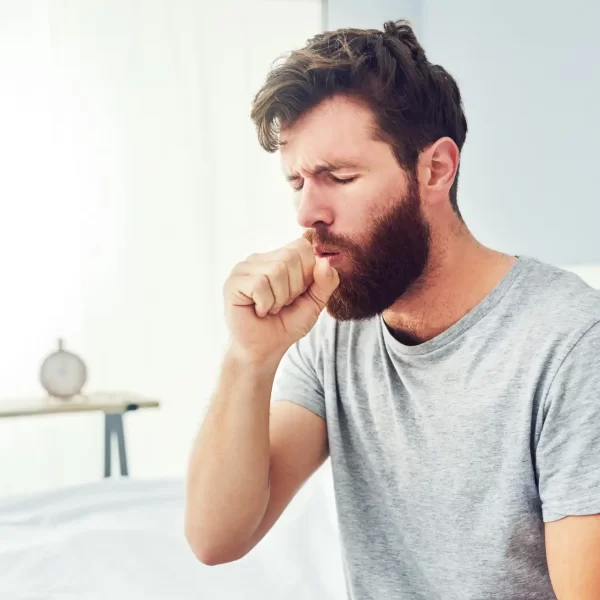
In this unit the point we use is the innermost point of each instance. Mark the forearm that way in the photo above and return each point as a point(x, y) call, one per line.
point(228, 490)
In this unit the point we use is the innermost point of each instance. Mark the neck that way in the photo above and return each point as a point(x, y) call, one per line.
point(460, 273)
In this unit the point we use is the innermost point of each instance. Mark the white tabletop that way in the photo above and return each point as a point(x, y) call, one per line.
point(107, 402)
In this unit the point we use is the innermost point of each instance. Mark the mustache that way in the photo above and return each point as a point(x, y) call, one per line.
point(321, 235)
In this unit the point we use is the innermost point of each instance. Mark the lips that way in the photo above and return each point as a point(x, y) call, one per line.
point(323, 251)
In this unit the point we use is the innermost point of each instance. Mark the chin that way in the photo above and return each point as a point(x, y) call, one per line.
point(356, 303)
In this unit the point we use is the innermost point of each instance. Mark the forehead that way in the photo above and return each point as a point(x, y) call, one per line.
point(338, 129)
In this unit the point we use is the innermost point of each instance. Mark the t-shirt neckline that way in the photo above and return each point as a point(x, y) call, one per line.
point(472, 317)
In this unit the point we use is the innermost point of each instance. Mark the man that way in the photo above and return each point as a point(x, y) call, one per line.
point(456, 389)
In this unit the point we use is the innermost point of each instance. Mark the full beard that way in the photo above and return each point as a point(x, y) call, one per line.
point(394, 257)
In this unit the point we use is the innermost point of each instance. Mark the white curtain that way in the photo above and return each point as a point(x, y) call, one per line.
point(131, 181)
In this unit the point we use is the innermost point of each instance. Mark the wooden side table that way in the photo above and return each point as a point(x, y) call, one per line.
point(113, 404)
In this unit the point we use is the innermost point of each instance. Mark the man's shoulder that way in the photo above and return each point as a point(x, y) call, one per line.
point(555, 303)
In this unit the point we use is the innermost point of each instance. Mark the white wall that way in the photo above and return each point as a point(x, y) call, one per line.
point(372, 14)
point(131, 183)
point(529, 75)
point(589, 273)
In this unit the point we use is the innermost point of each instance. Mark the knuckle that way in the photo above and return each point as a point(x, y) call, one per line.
point(307, 254)
point(301, 243)
point(261, 283)
point(289, 254)
point(261, 293)
point(307, 249)
point(230, 282)
point(241, 267)
point(294, 259)
point(278, 269)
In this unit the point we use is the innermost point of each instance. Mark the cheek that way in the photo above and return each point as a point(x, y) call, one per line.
point(357, 208)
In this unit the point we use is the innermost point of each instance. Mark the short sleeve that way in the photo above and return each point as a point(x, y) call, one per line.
point(299, 375)
point(568, 450)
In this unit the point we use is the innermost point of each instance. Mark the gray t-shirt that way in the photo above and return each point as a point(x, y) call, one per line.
point(448, 456)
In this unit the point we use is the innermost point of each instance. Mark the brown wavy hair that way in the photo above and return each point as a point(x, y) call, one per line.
point(414, 102)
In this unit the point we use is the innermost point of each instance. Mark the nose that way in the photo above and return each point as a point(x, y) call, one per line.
point(312, 206)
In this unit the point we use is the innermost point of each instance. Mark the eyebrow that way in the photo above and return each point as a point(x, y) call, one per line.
point(327, 167)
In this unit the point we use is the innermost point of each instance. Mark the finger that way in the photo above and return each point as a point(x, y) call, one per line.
point(254, 289)
point(285, 276)
point(263, 296)
point(309, 305)
point(307, 258)
point(278, 276)
point(293, 262)
point(296, 258)
point(302, 246)
point(243, 268)
point(326, 280)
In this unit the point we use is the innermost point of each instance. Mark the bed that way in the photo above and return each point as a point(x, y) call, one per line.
point(123, 539)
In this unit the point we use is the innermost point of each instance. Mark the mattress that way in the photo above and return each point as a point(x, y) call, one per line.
point(123, 539)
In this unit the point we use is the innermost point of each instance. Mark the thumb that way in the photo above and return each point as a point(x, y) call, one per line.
point(325, 281)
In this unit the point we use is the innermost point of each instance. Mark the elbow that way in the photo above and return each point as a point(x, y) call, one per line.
point(211, 552)
point(212, 557)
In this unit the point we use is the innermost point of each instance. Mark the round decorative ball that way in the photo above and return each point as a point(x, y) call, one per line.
point(63, 374)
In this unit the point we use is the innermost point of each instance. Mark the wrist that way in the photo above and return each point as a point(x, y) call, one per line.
point(252, 363)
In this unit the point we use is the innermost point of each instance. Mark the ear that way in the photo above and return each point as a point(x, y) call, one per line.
point(437, 169)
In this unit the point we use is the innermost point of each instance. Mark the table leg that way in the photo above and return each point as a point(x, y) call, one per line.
point(121, 441)
point(107, 444)
point(113, 424)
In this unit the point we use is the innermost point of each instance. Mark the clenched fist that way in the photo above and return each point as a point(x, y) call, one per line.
point(274, 299)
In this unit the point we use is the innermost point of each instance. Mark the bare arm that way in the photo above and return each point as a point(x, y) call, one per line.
point(227, 492)
point(573, 554)
point(247, 465)
point(272, 300)
point(298, 448)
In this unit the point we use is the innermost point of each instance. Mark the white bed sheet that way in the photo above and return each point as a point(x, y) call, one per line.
point(123, 539)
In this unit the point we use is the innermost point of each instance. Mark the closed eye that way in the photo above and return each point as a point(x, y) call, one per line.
point(342, 181)
point(298, 184)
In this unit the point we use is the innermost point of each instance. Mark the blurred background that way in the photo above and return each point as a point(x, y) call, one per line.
point(131, 182)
